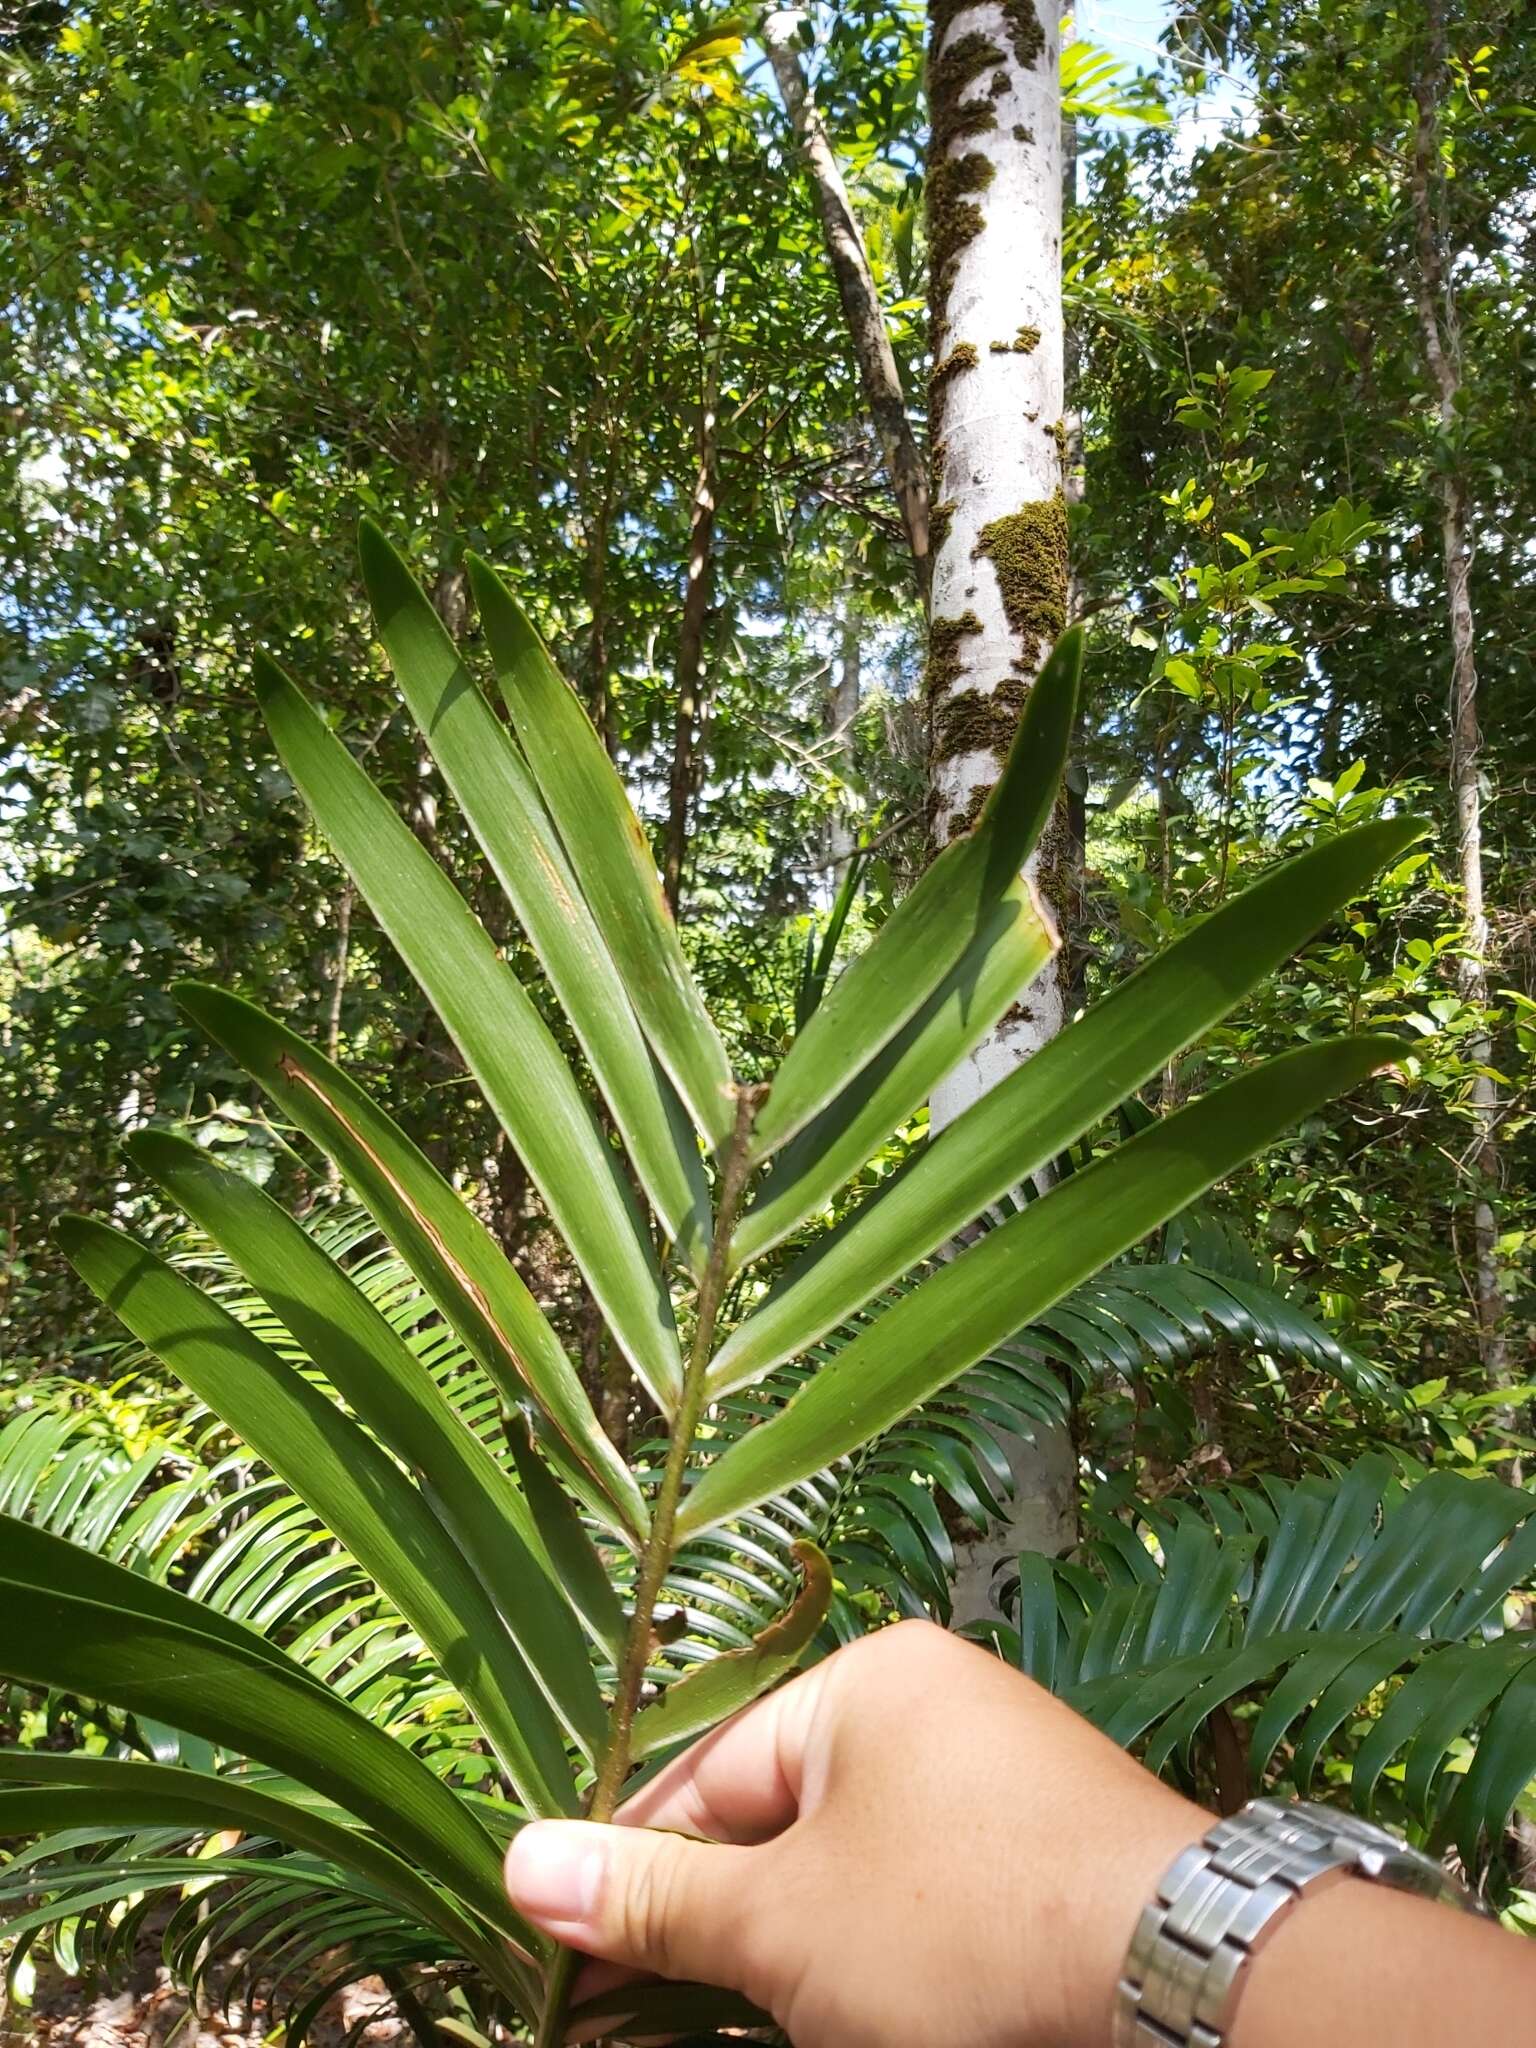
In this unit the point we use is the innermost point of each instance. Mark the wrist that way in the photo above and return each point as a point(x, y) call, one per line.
point(1125, 1853)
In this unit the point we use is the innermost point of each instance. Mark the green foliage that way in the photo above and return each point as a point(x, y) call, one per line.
point(476, 273)
point(1351, 1623)
point(495, 1575)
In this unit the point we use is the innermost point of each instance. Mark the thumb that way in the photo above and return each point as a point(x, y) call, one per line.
point(653, 1901)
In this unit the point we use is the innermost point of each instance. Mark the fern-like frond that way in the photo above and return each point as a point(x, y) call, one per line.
point(1351, 1619)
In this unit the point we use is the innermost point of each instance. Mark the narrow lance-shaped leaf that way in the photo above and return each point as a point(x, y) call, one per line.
point(1048, 1102)
point(388, 1387)
point(1446, 1695)
point(443, 1242)
point(710, 1692)
point(1013, 942)
point(124, 1650)
point(610, 854)
point(933, 927)
point(504, 1040)
point(351, 1485)
point(30, 1552)
point(1019, 1270)
point(1502, 1768)
point(491, 780)
point(573, 1559)
point(96, 1790)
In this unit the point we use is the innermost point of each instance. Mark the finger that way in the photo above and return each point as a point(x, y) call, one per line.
point(651, 1901)
point(741, 1783)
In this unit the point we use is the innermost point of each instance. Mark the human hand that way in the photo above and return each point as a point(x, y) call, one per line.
point(912, 1844)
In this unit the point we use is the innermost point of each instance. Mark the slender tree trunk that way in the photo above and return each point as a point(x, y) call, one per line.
point(337, 994)
point(839, 712)
point(1070, 905)
point(862, 313)
point(1440, 334)
point(690, 647)
point(999, 521)
point(598, 698)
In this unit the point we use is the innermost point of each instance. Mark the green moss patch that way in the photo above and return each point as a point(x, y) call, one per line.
point(951, 74)
point(1028, 549)
point(1026, 32)
point(954, 219)
point(966, 818)
point(945, 639)
point(1024, 343)
point(976, 721)
point(961, 358)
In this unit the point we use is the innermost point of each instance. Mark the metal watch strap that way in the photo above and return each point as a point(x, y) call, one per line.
point(1225, 1895)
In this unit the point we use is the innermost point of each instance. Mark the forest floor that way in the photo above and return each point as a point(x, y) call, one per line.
point(148, 2012)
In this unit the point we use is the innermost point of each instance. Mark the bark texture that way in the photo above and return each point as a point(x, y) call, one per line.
point(862, 313)
point(999, 525)
point(1440, 333)
point(995, 420)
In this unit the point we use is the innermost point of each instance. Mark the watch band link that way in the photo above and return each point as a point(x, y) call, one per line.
point(1222, 1898)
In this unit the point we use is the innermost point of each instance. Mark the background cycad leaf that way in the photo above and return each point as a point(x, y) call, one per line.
point(351, 1484)
point(126, 1651)
point(1020, 1269)
point(934, 927)
point(483, 767)
point(141, 1794)
point(506, 1043)
point(610, 854)
point(1057, 1095)
point(389, 1388)
point(1260, 1584)
point(445, 1244)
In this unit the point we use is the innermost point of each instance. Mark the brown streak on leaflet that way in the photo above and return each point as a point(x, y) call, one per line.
point(294, 1072)
point(552, 876)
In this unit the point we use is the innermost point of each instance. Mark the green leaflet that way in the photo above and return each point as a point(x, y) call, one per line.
point(67, 1791)
point(504, 1040)
point(28, 1552)
point(711, 1692)
point(126, 1651)
point(1012, 943)
point(934, 928)
point(1055, 1096)
point(1503, 1766)
point(446, 1246)
point(610, 854)
point(349, 1482)
point(486, 772)
point(1017, 1271)
point(574, 1560)
point(384, 1382)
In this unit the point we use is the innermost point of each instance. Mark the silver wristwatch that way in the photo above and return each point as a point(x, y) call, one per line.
point(1225, 1895)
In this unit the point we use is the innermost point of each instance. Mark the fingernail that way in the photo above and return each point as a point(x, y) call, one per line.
point(554, 1871)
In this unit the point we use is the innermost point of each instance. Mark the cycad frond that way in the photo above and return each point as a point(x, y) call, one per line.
point(1306, 1602)
point(681, 1179)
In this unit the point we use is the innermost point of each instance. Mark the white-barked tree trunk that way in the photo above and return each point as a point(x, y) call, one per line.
point(998, 528)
